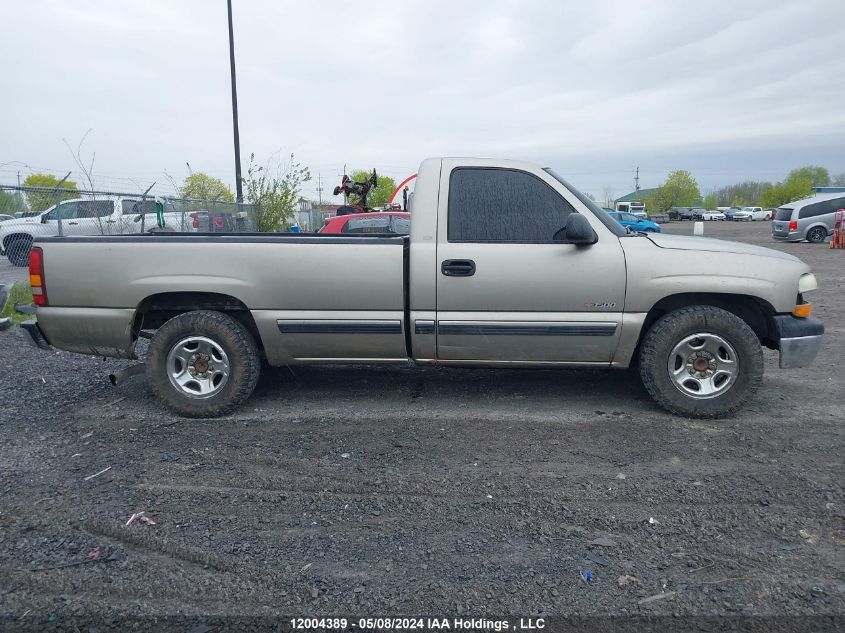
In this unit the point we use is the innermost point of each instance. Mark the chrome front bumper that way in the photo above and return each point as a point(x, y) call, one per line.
point(800, 340)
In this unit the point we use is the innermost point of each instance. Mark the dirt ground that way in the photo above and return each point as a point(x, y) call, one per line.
point(382, 492)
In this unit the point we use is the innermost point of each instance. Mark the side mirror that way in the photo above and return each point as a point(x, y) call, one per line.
point(576, 231)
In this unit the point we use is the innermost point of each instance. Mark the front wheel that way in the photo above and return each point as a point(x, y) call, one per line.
point(701, 362)
point(203, 364)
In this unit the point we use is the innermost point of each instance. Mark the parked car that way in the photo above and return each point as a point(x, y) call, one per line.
point(630, 221)
point(506, 265)
point(635, 207)
point(728, 211)
point(752, 214)
point(4, 217)
point(83, 217)
point(680, 213)
point(396, 222)
point(810, 219)
point(712, 215)
point(659, 217)
point(698, 213)
point(218, 222)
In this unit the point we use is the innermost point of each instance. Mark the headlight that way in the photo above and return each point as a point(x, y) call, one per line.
point(807, 282)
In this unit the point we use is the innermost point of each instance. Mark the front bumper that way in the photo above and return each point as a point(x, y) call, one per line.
point(800, 340)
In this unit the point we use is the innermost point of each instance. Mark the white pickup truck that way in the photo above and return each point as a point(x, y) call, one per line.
point(506, 265)
point(119, 216)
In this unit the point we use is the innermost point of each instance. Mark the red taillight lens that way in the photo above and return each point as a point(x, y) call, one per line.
point(195, 220)
point(37, 282)
point(793, 226)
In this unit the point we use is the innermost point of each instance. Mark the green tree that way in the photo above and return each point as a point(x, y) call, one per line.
point(42, 200)
point(273, 190)
point(201, 186)
point(11, 202)
point(818, 176)
point(679, 190)
point(711, 201)
point(378, 195)
point(794, 187)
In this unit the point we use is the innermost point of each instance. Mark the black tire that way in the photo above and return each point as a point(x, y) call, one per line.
point(670, 330)
point(228, 334)
point(817, 235)
point(17, 250)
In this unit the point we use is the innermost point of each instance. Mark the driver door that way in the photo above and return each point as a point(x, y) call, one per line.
point(506, 291)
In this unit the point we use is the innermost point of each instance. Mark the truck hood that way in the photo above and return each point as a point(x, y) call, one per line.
point(709, 244)
point(17, 222)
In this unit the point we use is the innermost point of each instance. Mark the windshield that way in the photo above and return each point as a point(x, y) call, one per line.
point(600, 213)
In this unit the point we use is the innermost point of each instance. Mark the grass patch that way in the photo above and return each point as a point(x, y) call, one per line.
point(19, 293)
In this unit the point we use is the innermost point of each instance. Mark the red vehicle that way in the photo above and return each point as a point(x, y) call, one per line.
point(398, 222)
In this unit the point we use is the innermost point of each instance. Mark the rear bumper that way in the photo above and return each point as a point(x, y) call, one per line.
point(34, 335)
point(799, 340)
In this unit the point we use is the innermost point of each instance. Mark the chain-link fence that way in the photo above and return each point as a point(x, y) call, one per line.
point(27, 213)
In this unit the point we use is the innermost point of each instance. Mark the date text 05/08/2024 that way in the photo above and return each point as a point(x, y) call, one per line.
point(418, 624)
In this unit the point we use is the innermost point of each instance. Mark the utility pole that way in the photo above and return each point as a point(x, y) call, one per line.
point(238, 185)
point(320, 188)
point(637, 180)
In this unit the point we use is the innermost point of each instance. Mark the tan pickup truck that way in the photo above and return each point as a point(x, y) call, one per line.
point(506, 265)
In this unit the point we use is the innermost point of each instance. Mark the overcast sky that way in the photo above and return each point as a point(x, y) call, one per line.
point(730, 90)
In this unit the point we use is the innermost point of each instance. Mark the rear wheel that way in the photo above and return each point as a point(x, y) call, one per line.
point(203, 364)
point(701, 361)
point(17, 250)
point(817, 235)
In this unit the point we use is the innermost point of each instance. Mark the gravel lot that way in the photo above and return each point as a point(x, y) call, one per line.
point(370, 491)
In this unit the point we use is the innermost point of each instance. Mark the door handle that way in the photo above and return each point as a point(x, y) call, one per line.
point(111, 221)
point(458, 267)
point(73, 223)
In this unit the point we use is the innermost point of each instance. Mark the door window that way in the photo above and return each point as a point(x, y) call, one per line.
point(67, 210)
point(136, 207)
point(94, 208)
point(821, 208)
point(503, 205)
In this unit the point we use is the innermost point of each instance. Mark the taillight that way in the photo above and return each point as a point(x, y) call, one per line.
point(195, 220)
point(37, 282)
point(793, 226)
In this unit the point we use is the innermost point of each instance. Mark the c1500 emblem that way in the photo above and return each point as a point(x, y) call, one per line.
point(606, 304)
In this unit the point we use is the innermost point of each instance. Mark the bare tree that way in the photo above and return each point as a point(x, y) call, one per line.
point(609, 196)
point(87, 168)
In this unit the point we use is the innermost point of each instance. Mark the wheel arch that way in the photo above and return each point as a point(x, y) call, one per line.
point(756, 312)
point(155, 310)
point(7, 239)
point(817, 225)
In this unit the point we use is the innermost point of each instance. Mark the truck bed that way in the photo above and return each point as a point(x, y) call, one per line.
point(282, 279)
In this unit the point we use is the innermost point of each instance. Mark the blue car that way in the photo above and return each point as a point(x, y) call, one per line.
point(630, 221)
